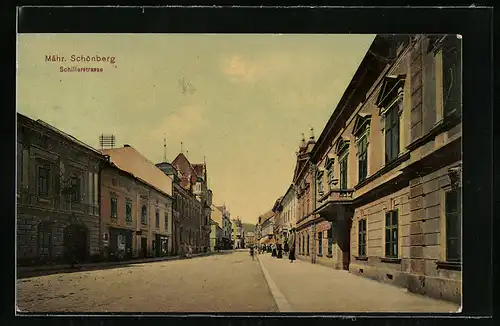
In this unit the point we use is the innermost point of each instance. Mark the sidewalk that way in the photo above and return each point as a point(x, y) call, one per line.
point(23, 270)
point(304, 287)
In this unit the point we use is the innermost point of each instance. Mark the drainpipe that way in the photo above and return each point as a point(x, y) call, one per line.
point(313, 181)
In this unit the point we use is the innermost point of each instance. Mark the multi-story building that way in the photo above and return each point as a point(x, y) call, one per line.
point(57, 195)
point(266, 228)
point(215, 236)
point(303, 181)
point(154, 196)
point(288, 206)
point(238, 234)
point(226, 226)
point(388, 168)
point(249, 239)
point(193, 178)
point(277, 225)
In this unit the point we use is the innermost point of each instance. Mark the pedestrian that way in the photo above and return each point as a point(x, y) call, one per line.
point(190, 250)
point(274, 251)
point(291, 244)
point(251, 252)
point(285, 247)
point(279, 249)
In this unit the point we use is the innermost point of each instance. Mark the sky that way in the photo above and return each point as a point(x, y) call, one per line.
point(240, 101)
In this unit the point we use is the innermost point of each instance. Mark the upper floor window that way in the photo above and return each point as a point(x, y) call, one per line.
point(114, 207)
point(361, 131)
point(157, 218)
point(43, 180)
point(343, 171)
point(453, 225)
point(320, 186)
point(128, 211)
point(392, 132)
point(452, 76)
point(75, 189)
point(362, 158)
point(329, 171)
point(144, 215)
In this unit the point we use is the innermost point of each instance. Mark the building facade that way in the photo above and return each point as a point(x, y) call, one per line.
point(226, 225)
point(303, 182)
point(154, 196)
point(249, 239)
point(387, 168)
point(215, 236)
point(288, 211)
point(57, 195)
point(266, 228)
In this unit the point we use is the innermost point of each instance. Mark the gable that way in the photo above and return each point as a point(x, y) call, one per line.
point(362, 121)
point(389, 90)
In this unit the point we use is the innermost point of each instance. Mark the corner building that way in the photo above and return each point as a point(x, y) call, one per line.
point(387, 169)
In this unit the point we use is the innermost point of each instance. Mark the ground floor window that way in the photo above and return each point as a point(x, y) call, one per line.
point(320, 243)
point(44, 233)
point(307, 244)
point(453, 225)
point(330, 240)
point(362, 238)
point(391, 234)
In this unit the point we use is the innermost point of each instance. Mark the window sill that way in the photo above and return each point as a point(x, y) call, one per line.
point(404, 156)
point(320, 255)
point(457, 266)
point(390, 260)
point(365, 258)
point(329, 256)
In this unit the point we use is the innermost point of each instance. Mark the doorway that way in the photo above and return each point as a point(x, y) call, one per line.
point(75, 243)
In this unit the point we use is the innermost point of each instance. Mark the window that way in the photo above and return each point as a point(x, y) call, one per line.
point(44, 233)
point(330, 240)
point(362, 158)
point(392, 132)
point(391, 234)
point(308, 244)
point(343, 171)
point(362, 238)
point(128, 211)
point(320, 186)
point(157, 218)
point(43, 180)
point(114, 207)
point(453, 225)
point(144, 215)
point(320, 243)
point(75, 189)
point(166, 221)
point(452, 76)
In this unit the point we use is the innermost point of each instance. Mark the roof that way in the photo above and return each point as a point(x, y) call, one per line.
point(60, 133)
point(198, 169)
point(129, 159)
point(266, 216)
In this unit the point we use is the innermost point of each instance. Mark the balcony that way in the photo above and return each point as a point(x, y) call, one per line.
point(334, 203)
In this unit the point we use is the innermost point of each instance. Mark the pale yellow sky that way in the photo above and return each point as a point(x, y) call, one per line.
point(248, 99)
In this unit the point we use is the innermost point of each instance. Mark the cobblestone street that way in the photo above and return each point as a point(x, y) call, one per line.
point(228, 282)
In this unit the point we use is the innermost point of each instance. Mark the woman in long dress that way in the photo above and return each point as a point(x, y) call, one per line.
point(291, 245)
point(274, 250)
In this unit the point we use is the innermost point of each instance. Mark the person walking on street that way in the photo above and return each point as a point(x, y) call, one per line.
point(251, 252)
point(291, 244)
point(279, 251)
point(273, 254)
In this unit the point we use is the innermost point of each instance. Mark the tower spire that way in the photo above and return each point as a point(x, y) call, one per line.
point(182, 145)
point(312, 133)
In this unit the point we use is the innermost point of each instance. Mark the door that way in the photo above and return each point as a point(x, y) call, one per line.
point(75, 243)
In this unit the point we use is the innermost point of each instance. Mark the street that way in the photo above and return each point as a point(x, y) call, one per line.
point(226, 282)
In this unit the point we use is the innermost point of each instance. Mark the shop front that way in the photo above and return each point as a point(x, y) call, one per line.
point(120, 244)
point(160, 245)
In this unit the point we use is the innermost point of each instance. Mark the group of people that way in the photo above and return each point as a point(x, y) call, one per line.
point(277, 249)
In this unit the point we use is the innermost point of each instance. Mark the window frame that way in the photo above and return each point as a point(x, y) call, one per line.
point(392, 229)
point(128, 217)
point(144, 214)
point(363, 157)
point(47, 169)
point(113, 204)
point(320, 243)
point(362, 237)
point(75, 188)
point(392, 128)
point(457, 191)
point(343, 169)
point(157, 218)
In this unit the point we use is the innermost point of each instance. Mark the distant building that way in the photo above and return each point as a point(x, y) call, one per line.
point(266, 228)
point(225, 224)
point(57, 195)
point(215, 236)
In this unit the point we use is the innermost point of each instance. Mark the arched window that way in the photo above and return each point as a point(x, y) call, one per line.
point(144, 215)
point(44, 235)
